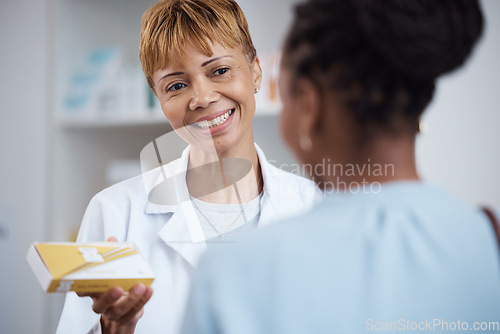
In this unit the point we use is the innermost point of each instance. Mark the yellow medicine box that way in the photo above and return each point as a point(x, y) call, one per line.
point(88, 267)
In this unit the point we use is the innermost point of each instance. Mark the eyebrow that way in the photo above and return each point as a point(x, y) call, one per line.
point(171, 74)
point(212, 60)
point(202, 65)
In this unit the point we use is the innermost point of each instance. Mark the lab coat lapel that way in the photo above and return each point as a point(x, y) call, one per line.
point(271, 198)
point(183, 233)
point(284, 194)
point(268, 213)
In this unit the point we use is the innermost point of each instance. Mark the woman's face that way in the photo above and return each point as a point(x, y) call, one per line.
point(212, 96)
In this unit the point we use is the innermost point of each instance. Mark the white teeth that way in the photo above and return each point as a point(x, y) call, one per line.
point(216, 121)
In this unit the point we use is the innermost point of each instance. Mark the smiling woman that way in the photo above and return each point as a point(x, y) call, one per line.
point(214, 92)
point(200, 62)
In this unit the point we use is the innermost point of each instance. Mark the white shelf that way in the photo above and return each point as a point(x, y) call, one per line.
point(75, 122)
point(122, 121)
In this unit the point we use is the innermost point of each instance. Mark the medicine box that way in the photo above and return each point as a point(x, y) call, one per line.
point(88, 267)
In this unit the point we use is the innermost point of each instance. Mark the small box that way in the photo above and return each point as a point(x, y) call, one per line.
point(88, 267)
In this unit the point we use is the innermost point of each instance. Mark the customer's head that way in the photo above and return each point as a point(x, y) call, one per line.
point(169, 26)
point(371, 66)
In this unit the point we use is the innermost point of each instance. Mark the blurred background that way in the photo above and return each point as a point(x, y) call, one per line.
point(75, 112)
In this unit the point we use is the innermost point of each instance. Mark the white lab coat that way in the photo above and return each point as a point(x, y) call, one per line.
point(170, 238)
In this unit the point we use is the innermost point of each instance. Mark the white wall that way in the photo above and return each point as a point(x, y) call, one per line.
point(461, 147)
point(23, 98)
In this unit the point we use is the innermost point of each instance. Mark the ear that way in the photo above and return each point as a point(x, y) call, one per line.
point(256, 73)
point(309, 107)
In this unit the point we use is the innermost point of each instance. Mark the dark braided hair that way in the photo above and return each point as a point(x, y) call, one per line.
point(388, 51)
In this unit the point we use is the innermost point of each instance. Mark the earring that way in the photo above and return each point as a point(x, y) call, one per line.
point(305, 142)
point(256, 90)
point(422, 127)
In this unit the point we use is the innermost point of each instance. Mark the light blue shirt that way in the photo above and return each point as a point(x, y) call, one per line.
point(409, 259)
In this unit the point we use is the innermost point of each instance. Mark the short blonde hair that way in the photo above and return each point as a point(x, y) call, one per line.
point(171, 25)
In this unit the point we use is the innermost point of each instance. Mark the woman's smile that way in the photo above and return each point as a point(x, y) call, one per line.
point(216, 123)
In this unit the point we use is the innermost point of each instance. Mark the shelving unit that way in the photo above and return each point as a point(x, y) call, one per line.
point(132, 121)
point(109, 122)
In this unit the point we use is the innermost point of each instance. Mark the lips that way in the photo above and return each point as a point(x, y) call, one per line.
point(220, 119)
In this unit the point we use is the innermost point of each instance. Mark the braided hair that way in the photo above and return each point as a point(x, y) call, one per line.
point(390, 52)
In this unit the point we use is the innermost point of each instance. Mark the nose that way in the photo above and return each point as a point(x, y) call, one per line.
point(203, 94)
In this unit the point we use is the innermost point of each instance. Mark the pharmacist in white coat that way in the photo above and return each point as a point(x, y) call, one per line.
point(205, 80)
point(163, 234)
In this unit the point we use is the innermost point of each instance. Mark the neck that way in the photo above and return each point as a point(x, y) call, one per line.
point(225, 176)
point(384, 160)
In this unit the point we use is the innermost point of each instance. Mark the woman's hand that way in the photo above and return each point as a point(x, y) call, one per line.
point(120, 310)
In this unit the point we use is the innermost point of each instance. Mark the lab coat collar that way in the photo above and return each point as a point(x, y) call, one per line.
point(184, 234)
point(179, 167)
point(271, 194)
point(176, 169)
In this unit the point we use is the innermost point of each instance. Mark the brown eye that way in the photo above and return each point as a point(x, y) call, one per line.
point(176, 87)
point(221, 71)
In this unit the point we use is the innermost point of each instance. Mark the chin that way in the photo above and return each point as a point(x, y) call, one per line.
point(230, 142)
point(223, 146)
